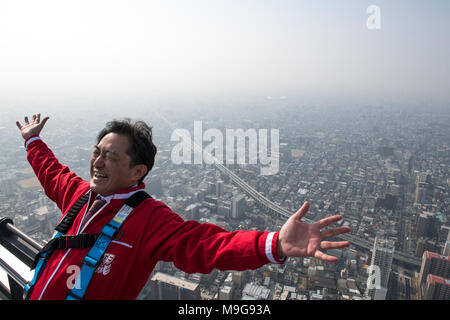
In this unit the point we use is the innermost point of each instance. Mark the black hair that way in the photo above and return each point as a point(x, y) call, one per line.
point(142, 150)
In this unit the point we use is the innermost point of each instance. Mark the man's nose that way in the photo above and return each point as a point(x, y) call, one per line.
point(98, 162)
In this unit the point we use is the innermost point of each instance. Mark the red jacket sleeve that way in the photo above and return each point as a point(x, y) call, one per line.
point(201, 247)
point(59, 183)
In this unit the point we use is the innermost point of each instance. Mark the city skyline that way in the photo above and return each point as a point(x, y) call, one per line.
point(384, 170)
point(356, 95)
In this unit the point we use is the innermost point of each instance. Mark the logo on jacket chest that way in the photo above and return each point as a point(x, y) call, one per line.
point(74, 281)
point(105, 267)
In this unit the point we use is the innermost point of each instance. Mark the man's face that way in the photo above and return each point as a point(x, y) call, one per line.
point(110, 165)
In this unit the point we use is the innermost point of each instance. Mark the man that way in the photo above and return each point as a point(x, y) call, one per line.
point(122, 157)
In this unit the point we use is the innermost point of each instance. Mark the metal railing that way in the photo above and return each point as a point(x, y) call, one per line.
point(24, 249)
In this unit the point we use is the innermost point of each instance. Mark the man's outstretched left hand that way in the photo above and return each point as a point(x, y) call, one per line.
point(299, 239)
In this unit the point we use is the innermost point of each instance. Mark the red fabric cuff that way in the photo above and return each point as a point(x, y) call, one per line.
point(268, 245)
point(31, 139)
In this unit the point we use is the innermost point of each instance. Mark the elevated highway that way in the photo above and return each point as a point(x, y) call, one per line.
point(278, 211)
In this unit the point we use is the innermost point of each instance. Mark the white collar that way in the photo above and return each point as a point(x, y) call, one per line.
point(118, 195)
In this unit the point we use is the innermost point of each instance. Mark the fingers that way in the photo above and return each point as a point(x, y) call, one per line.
point(35, 118)
point(302, 211)
point(334, 232)
point(334, 245)
point(36, 121)
point(325, 257)
point(330, 245)
point(44, 121)
point(330, 220)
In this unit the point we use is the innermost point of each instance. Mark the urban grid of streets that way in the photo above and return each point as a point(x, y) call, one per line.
point(364, 162)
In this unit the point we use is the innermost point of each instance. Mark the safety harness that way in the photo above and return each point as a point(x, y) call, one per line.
point(97, 242)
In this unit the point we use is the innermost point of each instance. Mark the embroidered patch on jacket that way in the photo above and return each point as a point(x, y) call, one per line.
point(105, 267)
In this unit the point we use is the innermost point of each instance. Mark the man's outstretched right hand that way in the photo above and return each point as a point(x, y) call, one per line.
point(32, 128)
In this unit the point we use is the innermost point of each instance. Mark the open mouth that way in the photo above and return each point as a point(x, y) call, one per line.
point(99, 176)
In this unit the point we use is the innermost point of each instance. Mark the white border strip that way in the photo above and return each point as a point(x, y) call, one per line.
point(125, 195)
point(30, 141)
point(269, 253)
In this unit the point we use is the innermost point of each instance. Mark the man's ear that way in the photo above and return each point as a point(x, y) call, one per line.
point(139, 171)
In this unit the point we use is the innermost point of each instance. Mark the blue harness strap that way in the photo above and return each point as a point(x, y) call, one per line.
point(41, 262)
point(94, 257)
point(62, 228)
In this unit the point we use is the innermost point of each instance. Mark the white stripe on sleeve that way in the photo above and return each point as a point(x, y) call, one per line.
point(269, 253)
point(30, 141)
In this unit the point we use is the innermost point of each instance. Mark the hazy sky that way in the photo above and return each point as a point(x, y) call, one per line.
point(145, 48)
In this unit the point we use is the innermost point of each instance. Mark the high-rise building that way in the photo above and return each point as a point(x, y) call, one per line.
point(446, 251)
point(224, 208)
point(421, 190)
point(226, 289)
point(211, 187)
point(437, 288)
point(238, 206)
point(192, 211)
point(423, 183)
point(382, 256)
point(220, 188)
point(380, 294)
point(435, 264)
point(426, 225)
point(238, 278)
point(425, 244)
point(438, 193)
point(167, 287)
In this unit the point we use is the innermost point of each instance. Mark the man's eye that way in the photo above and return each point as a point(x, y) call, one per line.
point(110, 156)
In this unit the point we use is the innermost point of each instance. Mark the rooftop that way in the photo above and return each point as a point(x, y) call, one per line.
point(433, 279)
point(176, 281)
point(434, 255)
point(252, 291)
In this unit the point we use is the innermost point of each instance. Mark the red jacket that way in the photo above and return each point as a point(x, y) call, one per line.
point(152, 232)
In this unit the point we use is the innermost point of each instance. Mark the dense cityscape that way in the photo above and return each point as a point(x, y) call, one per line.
point(385, 168)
